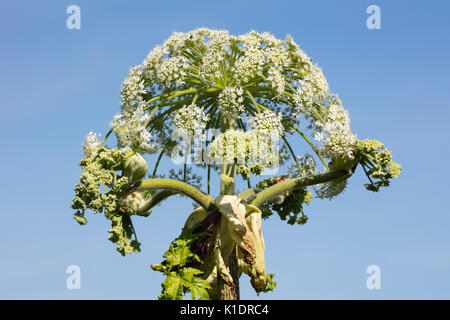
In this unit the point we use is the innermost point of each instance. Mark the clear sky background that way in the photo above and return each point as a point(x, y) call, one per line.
point(58, 84)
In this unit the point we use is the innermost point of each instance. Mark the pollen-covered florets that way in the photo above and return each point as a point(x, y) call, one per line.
point(190, 119)
point(172, 71)
point(231, 101)
point(132, 89)
point(276, 80)
point(130, 130)
point(245, 148)
point(267, 122)
point(313, 88)
point(91, 144)
point(335, 134)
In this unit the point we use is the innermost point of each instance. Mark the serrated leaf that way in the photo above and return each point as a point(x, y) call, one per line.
point(172, 287)
point(178, 255)
point(196, 285)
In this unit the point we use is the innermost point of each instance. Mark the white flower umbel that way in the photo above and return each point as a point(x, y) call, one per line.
point(313, 88)
point(91, 144)
point(242, 148)
point(276, 80)
point(231, 77)
point(172, 71)
point(190, 119)
point(231, 101)
point(303, 97)
point(248, 66)
point(132, 90)
point(130, 130)
point(267, 122)
point(152, 61)
point(211, 68)
point(335, 134)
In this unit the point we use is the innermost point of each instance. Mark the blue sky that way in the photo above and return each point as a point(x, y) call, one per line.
point(58, 84)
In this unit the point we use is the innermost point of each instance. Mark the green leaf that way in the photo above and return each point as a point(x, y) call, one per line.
point(79, 217)
point(270, 283)
point(178, 255)
point(179, 278)
point(185, 280)
point(196, 285)
point(172, 287)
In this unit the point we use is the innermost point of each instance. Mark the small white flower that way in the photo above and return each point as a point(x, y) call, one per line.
point(190, 118)
point(231, 102)
point(172, 71)
point(319, 136)
point(130, 130)
point(91, 144)
point(132, 89)
point(335, 133)
point(276, 80)
point(267, 122)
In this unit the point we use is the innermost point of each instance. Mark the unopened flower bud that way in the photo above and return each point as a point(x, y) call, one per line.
point(130, 203)
point(134, 167)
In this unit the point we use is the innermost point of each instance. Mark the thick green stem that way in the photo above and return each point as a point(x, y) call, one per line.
point(204, 200)
point(227, 169)
point(144, 208)
point(248, 194)
point(292, 184)
point(227, 185)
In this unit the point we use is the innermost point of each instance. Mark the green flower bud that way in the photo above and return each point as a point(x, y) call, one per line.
point(79, 217)
point(134, 167)
point(130, 203)
point(345, 162)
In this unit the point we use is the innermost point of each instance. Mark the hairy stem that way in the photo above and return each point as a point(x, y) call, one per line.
point(292, 184)
point(157, 198)
point(248, 194)
point(204, 200)
point(229, 291)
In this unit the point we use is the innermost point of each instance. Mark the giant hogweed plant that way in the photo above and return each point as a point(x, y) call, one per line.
point(243, 89)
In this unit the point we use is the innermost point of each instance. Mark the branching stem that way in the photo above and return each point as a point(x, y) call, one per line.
point(204, 200)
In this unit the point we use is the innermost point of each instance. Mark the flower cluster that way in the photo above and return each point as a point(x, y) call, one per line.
point(191, 119)
point(276, 80)
point(91, 144)
point(172, 71)
point(334, 132)
point(289, 205)
point(99, 173)
point(267, 122)
point(131, 132)
point(245, 148)
point(231, 101)
point(270, 69)
point(211, 68)
point(132, 90)
point(313, 88)
point(378, 164)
